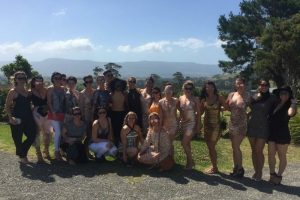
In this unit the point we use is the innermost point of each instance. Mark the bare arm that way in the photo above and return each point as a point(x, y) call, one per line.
point(292, 111)
point(124, 144)
point(94, 132)
point(8, 103)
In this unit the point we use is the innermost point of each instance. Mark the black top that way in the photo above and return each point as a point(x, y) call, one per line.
point(22, 107)
point(279, 125)
point(38, 101)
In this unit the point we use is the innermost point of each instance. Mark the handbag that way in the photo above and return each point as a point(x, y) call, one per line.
point(167, 163)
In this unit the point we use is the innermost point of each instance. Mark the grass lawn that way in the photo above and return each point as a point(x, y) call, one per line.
point(200, 152)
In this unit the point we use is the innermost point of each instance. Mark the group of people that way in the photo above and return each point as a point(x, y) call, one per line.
point(140, 125)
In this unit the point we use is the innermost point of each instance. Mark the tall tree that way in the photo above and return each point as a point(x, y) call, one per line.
point(20, 64)
point(114, 68)
point(242, 36)
point(178, 80)
point(97, 71)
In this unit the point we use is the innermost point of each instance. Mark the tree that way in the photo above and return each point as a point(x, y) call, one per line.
point(114, 68)
point(243, 34)
point(20, 64)
point(178, 80)
point(97, 70)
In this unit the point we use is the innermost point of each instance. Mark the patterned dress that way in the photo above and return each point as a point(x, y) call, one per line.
point(238, 117)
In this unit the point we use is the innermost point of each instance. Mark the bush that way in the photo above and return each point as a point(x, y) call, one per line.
point(295, 128)
point(3, 94)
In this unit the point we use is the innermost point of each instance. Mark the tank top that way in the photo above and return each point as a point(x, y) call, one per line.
point(101, 98)
point(188, 110)
point(71, 101)
point(38, 101)
point(102, 133)
point(22, 107)
point(154, 108)
point(212, 112)
point(131, 138)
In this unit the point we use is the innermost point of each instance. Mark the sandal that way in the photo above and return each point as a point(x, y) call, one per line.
point(212, 170)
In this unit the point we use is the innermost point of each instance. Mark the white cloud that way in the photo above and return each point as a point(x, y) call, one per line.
point(167, 46)
point(160, 46)
point(8, 48)
point(61, 12)
point(78, 44)
point(191, 43)
point(217, 43)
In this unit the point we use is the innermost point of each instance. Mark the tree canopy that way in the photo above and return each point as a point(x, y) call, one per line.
point(20, 64)
point(263, 40)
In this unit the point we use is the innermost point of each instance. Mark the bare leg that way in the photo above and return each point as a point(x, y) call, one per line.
point(236, 141)
point(186, 144)
point(282, 150)
point(260, 144)
point(271, 156)
point(252, 142)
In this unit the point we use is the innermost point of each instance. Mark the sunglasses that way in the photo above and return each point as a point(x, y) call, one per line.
point(188, 88)
point(109, 75)
point(76, 114)
point(263, 85)
point(131, 118)
point(88, 82)
point(101, 112)
point(22, 78)
point(155, 92)
point(131, 81)
point(57, 78)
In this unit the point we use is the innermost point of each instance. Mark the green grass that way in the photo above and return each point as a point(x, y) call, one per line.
point(295, 127)
point(199, 149)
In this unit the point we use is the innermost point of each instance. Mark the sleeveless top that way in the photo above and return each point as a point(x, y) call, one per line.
point(74, 131)
point(131, 138)
point(134, 101)
point(102, 133)
point(212, 113)
point(188, 111)
point(101, 98)
point(168, 109)
point(71, 101)
point(86, 106)
point(58, 100)
point(40, 104)
point(154, 108)
point(22, 107)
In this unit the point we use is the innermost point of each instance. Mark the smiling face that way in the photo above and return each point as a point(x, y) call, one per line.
point(88, 82)
point(153, 120)
point(239, 85)
point(100, 81)
point(263, 86)
point(20, 79)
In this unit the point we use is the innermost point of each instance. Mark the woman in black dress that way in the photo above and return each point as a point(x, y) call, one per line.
point(280, 137)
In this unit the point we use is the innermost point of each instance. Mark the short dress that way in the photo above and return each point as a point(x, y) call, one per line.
point(279, 126)
point(238, 117)
point(258, 124)
point(189, 120)
point(169, 111)
point(212, 121)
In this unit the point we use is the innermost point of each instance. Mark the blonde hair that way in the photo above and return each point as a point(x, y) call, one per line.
point(149, 118)
point(188, 82)
point(16, 74)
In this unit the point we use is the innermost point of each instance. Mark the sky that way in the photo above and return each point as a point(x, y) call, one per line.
point(113, 30)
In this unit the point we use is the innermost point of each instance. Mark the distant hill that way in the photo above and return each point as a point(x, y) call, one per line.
point(80, 68)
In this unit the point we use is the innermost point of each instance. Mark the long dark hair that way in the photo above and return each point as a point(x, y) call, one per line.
point(204, 94)
point(33, 80)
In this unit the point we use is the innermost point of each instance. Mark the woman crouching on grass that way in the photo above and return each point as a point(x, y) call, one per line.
point(73, 133)
point(157, 146)
point(131, 135)
point(102, 136)
point(280, 137)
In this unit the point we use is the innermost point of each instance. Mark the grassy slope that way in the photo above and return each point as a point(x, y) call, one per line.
point(198, 147)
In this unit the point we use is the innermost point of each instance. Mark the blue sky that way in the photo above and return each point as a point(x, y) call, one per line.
point(114, 30)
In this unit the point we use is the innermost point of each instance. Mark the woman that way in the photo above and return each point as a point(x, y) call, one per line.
point(73, 133)
point(280, 137)
point(189, 119)
point(101, 96)
point(146, 101)
point(72, 97)
point(157, 145)
point(18, 108)
point(39, 101)
point(258, 125)
point(102, 135)
point(85, 104)
point(168, 114)
point(237, 103)
point(131, 136)
point(56, 105)
point(156, 96)
point(210, 104)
